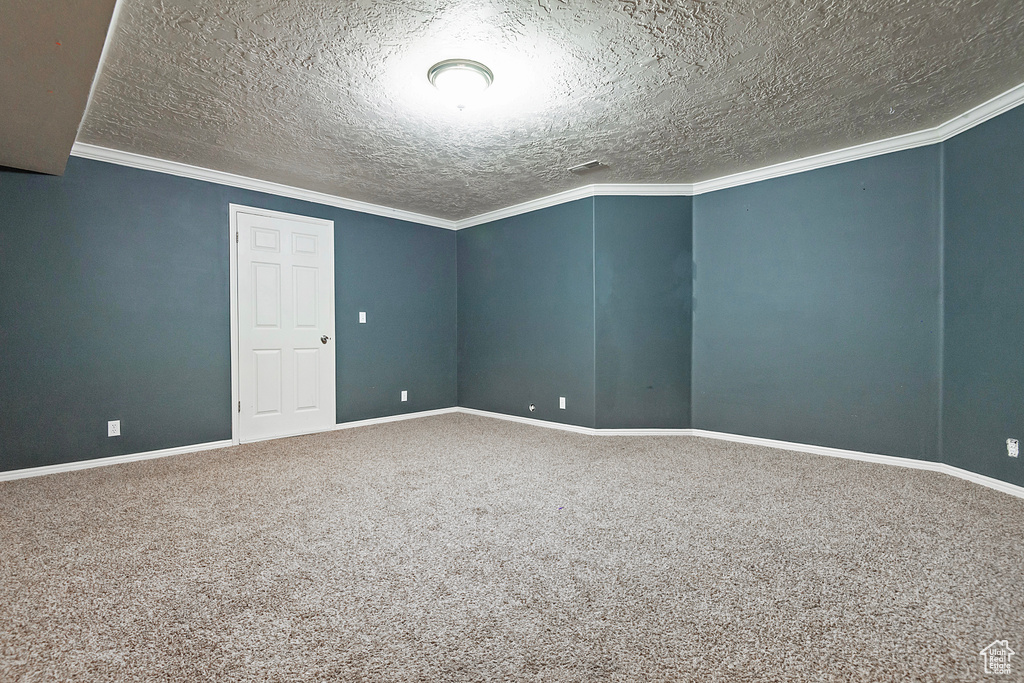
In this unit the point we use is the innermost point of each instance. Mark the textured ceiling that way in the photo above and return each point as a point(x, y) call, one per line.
point(332, 96)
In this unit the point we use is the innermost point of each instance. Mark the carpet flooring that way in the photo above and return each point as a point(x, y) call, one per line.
point(461, 548)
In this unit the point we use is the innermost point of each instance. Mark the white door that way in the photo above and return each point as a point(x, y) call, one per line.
point(286, 374)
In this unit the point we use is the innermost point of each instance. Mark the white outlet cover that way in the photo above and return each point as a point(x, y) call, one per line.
point(114, 428)
point(405, 395)
point(1012, 448)
point(561, 402)
point(362, 316)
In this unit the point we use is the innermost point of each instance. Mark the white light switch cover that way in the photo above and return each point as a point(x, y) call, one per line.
point(362, 316)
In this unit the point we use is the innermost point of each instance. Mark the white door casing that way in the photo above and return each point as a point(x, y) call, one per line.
point(283, 308)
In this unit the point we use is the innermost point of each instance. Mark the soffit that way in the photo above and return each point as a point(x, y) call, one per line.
point(49, 52)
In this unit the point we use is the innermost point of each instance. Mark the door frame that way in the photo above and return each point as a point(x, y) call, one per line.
point(233, 211)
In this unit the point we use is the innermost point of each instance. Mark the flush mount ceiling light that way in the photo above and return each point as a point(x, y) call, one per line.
point(460, 80)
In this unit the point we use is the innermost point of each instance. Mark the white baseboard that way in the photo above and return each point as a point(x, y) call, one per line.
point(896, 461)
point(530, 421)
point(590, 431)
point(823, 450)
point(113, 460)
point(163, 453)
point(395, 418)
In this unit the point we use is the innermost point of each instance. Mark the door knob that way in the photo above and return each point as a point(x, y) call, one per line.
point(324, 339)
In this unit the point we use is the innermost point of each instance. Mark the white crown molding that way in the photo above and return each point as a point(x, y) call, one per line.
point(175, 168)
point(931, 136)
point(113, 460)
point(621, 189)
point(978, 115)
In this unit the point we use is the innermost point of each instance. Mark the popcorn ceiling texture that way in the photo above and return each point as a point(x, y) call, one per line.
point(333, 96)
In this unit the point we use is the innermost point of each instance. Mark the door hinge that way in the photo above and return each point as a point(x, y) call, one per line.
point(236, 237)
point(239, 406)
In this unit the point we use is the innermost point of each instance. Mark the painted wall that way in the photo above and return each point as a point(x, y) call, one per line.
point(874, 306)
point(114, 305)
point(403, 275)
point(643, 294)
point(526, 314)
point(983, 380)
point(817, 307)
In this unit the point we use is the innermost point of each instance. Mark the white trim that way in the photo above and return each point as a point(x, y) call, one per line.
point(175, 168)
point(113, 460)
point(621, 189)
point(286, 435)
point(233, 211)
point(930, 136)
point(395, 418)
point(823, 450)
point(589, 431)
point(911, 463)
point(998, 485)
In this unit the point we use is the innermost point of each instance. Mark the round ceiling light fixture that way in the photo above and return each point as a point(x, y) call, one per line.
point(460, 80)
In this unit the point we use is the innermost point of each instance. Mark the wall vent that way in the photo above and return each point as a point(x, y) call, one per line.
point(587, 167)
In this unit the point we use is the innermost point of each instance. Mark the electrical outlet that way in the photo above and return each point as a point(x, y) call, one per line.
point(1012, 448)
point(561, 402)
point(405, 395)
point(362, 316)
point(114, 428)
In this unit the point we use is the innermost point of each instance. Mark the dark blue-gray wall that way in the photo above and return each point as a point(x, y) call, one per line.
point(403, 275)
point(643, 293)
point(874, 306)
point(817, 314)
point(588, 300)
point(114, 305)
point(526, 314)
point(983, 380)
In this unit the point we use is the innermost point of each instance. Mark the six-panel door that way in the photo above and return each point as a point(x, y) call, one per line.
point(285, 326)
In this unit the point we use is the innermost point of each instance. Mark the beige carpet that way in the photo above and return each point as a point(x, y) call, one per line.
point(459, 548)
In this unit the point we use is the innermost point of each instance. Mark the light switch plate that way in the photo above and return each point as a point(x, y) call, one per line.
point(362, 316)
point(405, 395)
point(561, 402)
